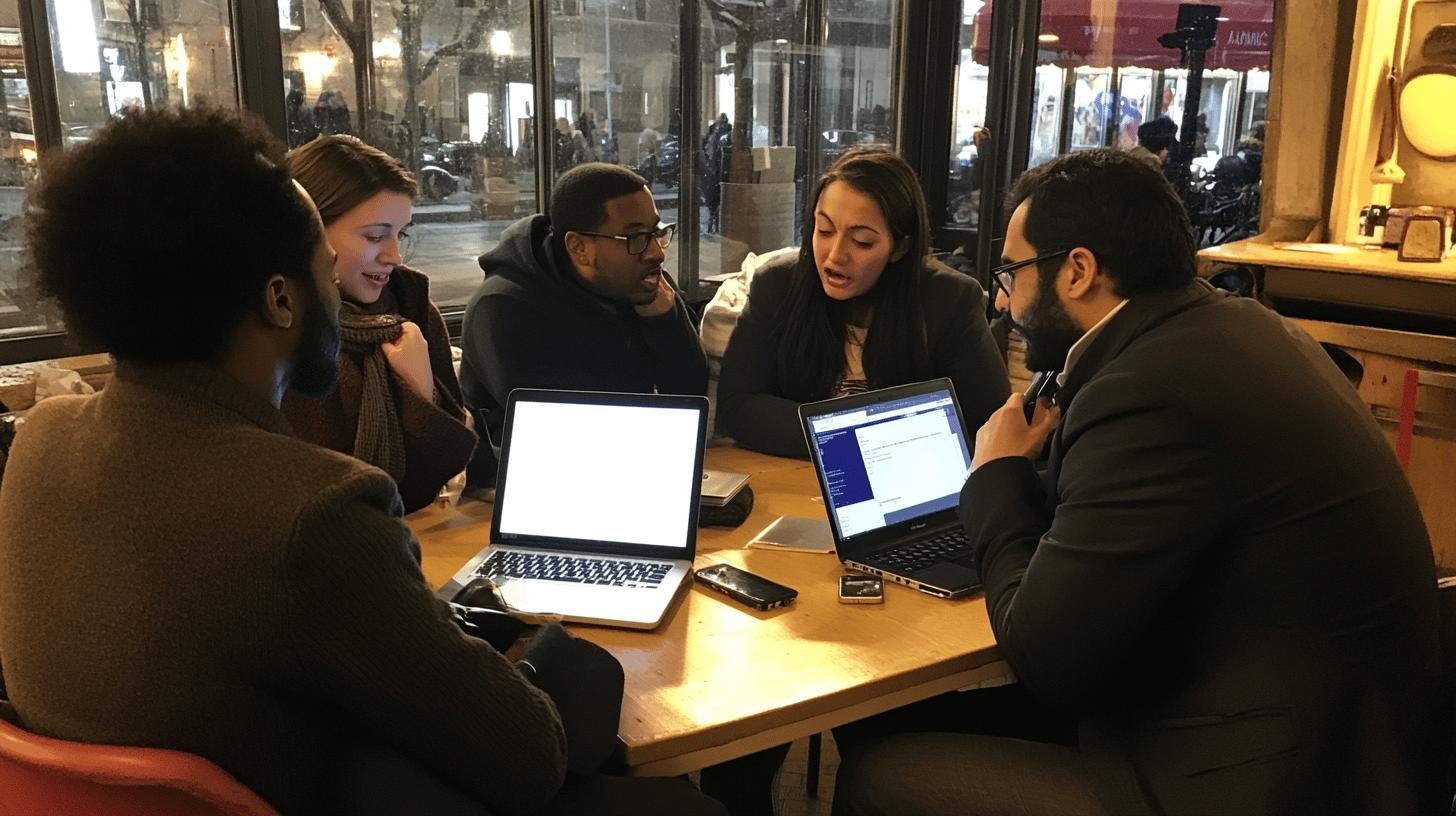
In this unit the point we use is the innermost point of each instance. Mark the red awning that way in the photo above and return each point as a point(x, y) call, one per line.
point(1124, 33)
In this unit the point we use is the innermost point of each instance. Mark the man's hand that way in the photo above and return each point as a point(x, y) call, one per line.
point(1007, 434)
point(663, 302)
point(409, 356)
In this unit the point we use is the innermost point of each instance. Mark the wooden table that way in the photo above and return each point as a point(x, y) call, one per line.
point(718, 680)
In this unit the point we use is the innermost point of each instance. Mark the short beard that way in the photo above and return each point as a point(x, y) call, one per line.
point(316, 360)
point(1049, 330)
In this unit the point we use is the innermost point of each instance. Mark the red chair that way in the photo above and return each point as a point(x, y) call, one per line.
point(40, 776)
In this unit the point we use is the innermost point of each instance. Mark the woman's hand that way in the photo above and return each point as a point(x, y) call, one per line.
point(409, 356)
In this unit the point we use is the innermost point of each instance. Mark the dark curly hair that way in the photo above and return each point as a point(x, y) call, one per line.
point(1118, 207)
point(157, 236)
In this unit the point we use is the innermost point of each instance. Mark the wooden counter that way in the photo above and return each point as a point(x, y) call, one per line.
point(1360, 278)
point(719, 680)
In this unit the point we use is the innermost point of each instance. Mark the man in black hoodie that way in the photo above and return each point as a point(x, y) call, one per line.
point(578, 300)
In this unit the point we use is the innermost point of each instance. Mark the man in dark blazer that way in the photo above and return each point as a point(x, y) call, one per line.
point(1223, 575)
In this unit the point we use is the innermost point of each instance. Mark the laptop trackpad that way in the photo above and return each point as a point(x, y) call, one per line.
point(948, 574)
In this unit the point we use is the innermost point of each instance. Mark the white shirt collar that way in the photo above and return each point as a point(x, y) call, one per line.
point(1075, 352)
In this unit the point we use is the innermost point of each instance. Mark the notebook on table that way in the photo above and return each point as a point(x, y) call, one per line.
point(596, 505)
point(891, 465)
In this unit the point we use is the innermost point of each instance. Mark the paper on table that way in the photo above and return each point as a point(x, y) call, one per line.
point(796, 534)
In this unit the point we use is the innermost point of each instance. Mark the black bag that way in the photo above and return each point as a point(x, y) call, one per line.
point(732, 514)
point(586, 682)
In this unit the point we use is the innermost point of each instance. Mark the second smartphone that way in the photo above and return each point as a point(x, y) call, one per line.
point(745, 587)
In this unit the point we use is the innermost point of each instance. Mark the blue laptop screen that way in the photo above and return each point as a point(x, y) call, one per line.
point(891, 462)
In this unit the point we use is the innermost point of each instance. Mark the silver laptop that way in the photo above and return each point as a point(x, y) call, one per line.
point(596, 505)
point(891, 465)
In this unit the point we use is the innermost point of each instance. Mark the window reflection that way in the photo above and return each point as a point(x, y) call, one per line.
point(764, 138)
point(446, 89)
point(1104, 79)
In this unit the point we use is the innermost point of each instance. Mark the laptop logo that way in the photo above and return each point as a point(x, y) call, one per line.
point(921, 526)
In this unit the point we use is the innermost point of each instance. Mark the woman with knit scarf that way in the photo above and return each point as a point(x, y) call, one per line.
point(398, 404)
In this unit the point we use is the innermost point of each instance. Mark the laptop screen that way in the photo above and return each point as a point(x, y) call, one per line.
point(624, 474)
point(891, 462)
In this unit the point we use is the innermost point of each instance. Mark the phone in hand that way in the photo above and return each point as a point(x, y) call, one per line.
point(1043, 384)
point(857, 588)
point(751, 590)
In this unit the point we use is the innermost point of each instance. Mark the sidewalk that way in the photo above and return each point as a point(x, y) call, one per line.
point(456, 207)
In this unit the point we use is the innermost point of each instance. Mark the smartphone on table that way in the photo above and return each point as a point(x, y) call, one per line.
point(751, 590)
point(858, 588)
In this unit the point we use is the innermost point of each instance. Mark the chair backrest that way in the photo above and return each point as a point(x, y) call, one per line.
point(40, 776)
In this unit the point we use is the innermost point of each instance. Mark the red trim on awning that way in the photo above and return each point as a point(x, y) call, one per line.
point(1103, 33)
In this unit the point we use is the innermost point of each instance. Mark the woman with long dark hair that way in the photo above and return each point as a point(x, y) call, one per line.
point(398, 404)
point(861, 307)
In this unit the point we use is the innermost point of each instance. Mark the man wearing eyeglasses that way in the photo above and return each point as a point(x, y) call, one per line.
point(578, 299)
point(1223, 577)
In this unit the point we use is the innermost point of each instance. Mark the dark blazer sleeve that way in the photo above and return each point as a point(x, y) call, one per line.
point(961, 347)
point(1138, 508)
point(679, 366)
point(750, 408)
point(362, 631)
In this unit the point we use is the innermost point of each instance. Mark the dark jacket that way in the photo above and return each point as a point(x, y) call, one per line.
point(437, 444)
point(1224, 575)
point(177, 571)
point(532, 324)
point(751, 405)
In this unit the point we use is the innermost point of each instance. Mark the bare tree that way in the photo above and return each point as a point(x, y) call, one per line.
point(751, 21)
point(409, 17)
point(355, 32)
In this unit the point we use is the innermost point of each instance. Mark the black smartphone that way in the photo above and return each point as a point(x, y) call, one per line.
point(857, 588)
point(1043, 383)
point(745, 587)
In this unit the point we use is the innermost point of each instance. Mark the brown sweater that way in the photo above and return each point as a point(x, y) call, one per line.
point(437, 445)
point(177, 571)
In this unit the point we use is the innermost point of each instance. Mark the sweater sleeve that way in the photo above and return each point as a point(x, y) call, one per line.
point(679, 366)
point(437, 444)
point(362, 631)
point(749, 408)
point(963, 350)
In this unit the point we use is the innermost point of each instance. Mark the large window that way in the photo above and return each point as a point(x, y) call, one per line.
point(1106, 69)
point(615, 95)
point(780, 105)
point(729, 108)
point(110, 57)
point(970, 134)
point(443, 86)
point(21, 311)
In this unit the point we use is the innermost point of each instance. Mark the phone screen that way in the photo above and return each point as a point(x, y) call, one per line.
point(860, 587)
point(746, 583)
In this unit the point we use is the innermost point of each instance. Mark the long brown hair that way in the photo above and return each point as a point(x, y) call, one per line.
point(811, 354)
point(341, 172)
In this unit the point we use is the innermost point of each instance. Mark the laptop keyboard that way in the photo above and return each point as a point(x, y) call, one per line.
point(574, 569)
point(948, 546)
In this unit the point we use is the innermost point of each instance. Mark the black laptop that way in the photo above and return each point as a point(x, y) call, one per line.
point(891, 465)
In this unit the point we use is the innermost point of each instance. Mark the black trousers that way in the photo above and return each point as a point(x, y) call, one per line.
point(377, 781)
point(745, 784)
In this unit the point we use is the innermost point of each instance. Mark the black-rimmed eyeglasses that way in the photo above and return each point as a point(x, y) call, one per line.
point(1005, 274)
point(637, 241)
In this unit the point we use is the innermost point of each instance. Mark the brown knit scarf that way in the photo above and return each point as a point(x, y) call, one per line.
point(379, 439)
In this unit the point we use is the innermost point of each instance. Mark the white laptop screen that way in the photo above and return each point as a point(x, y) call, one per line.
point(616, 473)
point(891, 462)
